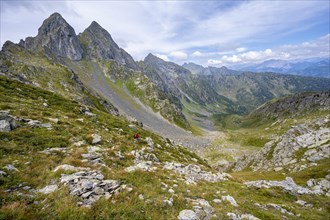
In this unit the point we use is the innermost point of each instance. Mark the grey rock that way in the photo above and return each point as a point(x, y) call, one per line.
point(168, 202)
point(54, 150)
point(233, 216)
point(67, 167)
point(230, 199)
point(217, 201)
point(188, 215)
point(55, 37)
point(144, 166)
point(291, 187)
point(150, 142)
point(3, 173)
point(11, 167)
point(7, 122)
point(203, 209)
point(96, 138)
point(303, 203)
point(86, 194)
point(48, 189)
point(4, 126)
point(311, 183)
point(90, 186)
point(194, 173)
point(279, 208)
point(85, 110)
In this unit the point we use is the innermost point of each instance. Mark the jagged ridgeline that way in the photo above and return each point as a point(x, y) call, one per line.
point(92, 64)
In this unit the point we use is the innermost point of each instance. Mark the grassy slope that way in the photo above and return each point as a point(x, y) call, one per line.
point(21, 147)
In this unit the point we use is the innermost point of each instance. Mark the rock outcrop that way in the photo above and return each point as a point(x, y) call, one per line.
point(57, 38)
point(315, 187)
point(299, 148)
point(194, 173)
point(295, 105)
point(90, 186)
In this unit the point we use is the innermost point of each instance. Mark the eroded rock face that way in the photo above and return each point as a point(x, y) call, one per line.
point(299, 148)
point(56, 37)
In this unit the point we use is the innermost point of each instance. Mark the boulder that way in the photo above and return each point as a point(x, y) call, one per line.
point(230, 199)
point(188, 215)
point(7, 122)
point(96, 138)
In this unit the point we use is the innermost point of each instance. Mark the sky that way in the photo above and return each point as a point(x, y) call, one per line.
point(209, 33)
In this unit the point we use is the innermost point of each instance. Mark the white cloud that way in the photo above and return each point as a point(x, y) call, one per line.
point(178, 55)
point(162, 27)
point(212, 62)
point(231, 59)
point(305, 50)
point(240, 49)
point(162, 56)
point(196, 54)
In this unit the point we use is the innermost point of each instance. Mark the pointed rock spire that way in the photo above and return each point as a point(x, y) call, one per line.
point(98, 44)
point(56, 37)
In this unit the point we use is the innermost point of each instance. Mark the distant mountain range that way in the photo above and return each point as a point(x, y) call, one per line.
point(317, 67)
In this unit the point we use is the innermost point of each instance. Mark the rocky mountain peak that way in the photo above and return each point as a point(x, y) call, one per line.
point(56, 37)
point(98, 44)
point(150, 58)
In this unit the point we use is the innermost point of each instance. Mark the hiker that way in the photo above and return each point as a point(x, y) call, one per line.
point(141, 124)
point(136, 137)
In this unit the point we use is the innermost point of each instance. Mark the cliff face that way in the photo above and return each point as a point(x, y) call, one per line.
point(98, 44)
point(56, 37)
